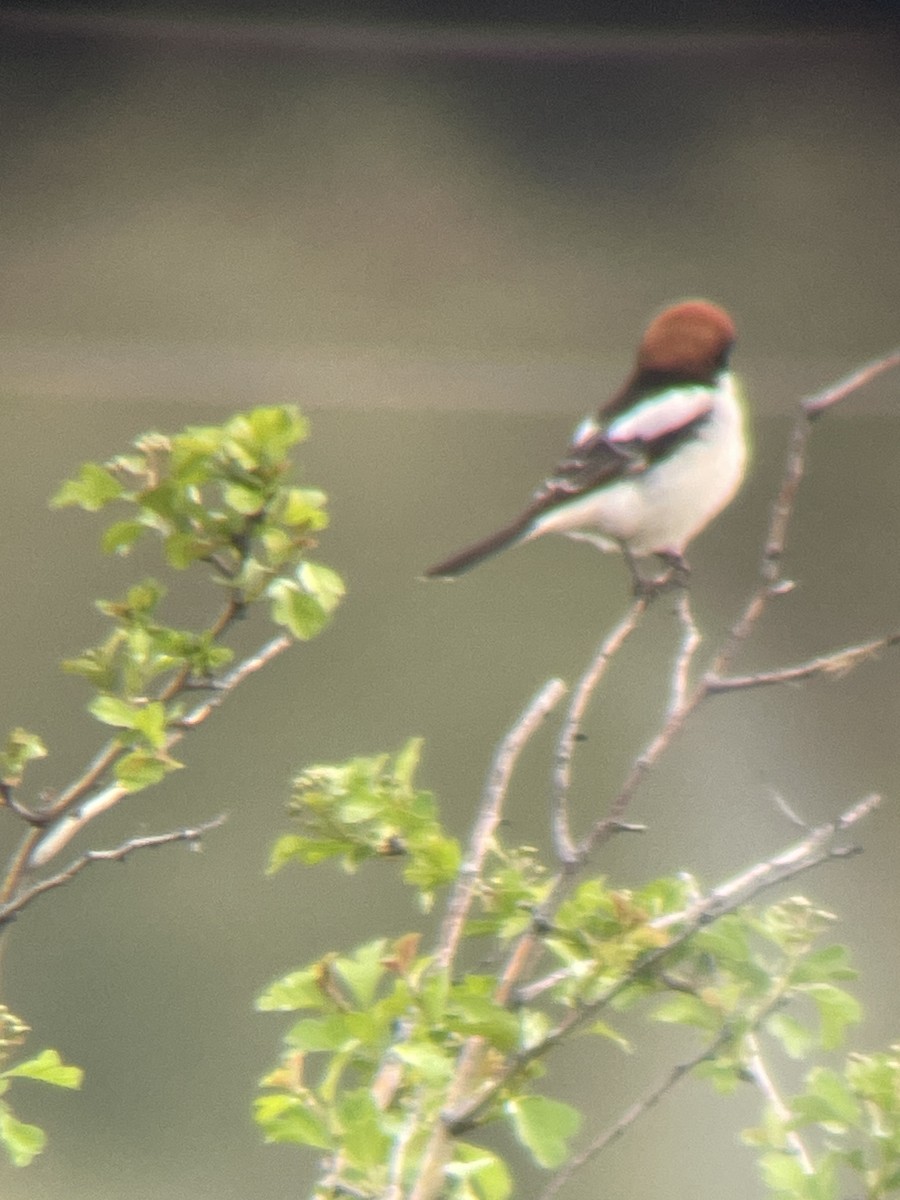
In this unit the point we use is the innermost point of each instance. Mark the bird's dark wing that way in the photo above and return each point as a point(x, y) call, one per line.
point(597, 457)
point(629, 445)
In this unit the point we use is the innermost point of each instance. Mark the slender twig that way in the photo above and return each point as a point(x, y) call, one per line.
point(836, 392)
point(8, 800)
point(429, 1179)
point(816, 848)
point(73, 822)
point(771, 585)
point(117, 854)
point(690, 643)
point(565, 749)
point(505, 759)
point(640, 1107)
point(759, 1073)
point(837, 664)
point(682, 704)
point(782, 511)
point(633, 1113)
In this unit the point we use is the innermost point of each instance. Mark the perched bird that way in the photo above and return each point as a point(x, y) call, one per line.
point(664, 456)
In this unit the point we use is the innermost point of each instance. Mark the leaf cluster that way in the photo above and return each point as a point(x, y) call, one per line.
point(218, 494)
point(215, 498)
point(20, 1140)
point(384, 1030)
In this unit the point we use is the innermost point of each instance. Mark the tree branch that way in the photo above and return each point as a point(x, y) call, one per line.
point(9, 911)
point(565, 748)
point(760, 1075)
point(495, 791)
point(71, 823)
point(633, 1113)
point(429, 1181)
point(838, 664)
point(816, 848)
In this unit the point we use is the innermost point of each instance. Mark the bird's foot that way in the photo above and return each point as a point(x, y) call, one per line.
point(677, 576)
point(679, 570)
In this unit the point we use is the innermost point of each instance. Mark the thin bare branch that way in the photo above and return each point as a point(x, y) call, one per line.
point(776, 538)
point(613, 822)
point(496, 787)
point(836, 392)
point(71, 823)
point(565, 749)
point(690, 643)
point(633, 1113)
point(771, 585)
point(430, 1178)
point(836, 664)
point(760, 1075)
point(117, 854)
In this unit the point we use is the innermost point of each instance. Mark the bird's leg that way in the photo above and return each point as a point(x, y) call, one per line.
point(679, 573)
point(676, 576)
point(639, 585)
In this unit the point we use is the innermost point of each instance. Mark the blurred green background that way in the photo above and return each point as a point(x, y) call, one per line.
point(442, 241)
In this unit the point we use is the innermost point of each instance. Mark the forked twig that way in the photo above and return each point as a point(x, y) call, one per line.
point(771, 585)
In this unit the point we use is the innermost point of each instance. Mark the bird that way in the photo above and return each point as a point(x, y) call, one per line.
point(660, 460)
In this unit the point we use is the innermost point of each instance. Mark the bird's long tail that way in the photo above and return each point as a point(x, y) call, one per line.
point(472, 555)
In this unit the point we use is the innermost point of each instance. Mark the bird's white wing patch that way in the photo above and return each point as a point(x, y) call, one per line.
point(662, 414)
point(586, 431)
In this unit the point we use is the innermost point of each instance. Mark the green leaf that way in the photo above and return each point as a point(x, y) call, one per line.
point(331, 1032)
point(796, 1038)
point(121, 536)
point(604, 1030)
point(141, 769)
point(111, 710)
point(151, 722)
point(473, 1015)
point(783, 1173)
point(685, 1009)
point(21, 1142)
point(285, 1118)
point(544, 1127)
point(21, 748)
point(303, 508)
point(50, 1068)
point(364, 971)
point(429, 1062)
point(837, 1009)
point(299, 613)
point(91, 489)
point(266, 433)
point(407, 761)
point(322, 583)
point(486, 1175)
point(827, 1100)
point(247, 499)
point(823, 966)
point(364, 1141)
point(299, 989)
point(184, 549)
